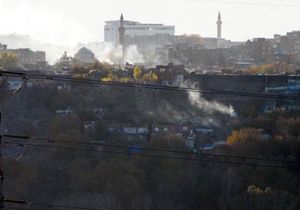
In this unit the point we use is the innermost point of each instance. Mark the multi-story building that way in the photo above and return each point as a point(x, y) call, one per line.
point(3, 47)
point(25, 56)
point(290, 43)
point(28, 57)
point(260, 49)
point(137, 30)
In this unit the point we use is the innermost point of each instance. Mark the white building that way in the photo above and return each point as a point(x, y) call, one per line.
point(134, 29)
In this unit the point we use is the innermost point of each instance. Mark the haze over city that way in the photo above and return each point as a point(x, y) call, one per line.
point(150, 105)
point(68, 22)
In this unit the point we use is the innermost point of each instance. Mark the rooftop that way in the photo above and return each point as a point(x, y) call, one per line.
point(133, 23)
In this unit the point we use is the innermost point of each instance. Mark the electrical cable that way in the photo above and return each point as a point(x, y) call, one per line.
point(46, 205)
point(148, 86)
point(150, 149)
point(157, 156)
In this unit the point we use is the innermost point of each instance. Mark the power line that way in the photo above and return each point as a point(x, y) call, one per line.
point(148, 86)
point(127, 153)
point(246, 3)
point(3, 82)
point(15, 208)
point(158, 156)
point(47, 205)
point(18, 89)
point(63, 206)
point(16, 201)
point(150, 149)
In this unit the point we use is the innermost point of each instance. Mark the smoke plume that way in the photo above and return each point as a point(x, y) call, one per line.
point(108, 53)
point(210, 108)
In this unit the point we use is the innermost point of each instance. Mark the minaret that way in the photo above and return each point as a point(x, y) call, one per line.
point(219, 23)
point(122, 37)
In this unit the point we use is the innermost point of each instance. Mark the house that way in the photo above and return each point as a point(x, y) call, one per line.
point(99, 113)
point(130, 130)
point(64, 112)
point(27, 56)
point(165, 129)
point(89, 127)
point(171, 74)
point(207, 147)
point(135, 130)
point(219, 144)
point(204, 131)
point(136, 133)
point(63, 86)
point(190, 140)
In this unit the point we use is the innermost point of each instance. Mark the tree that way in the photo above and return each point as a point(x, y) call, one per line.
point(154, 76)
point(192, 39)
point(101, 66)
point(8, 60)
point(271, 69)
point(150, 77)
point(109, 78)
point(137, 73)
point(101, 131)
point(245, 135)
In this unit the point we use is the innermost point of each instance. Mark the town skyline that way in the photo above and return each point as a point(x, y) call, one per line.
point(56, 23)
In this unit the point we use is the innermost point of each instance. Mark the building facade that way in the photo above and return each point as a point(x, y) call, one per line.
point(134, 29)
point(28, 57)
point(260, 49)
point(289, 44)
point(3, 47)
point(25, 56)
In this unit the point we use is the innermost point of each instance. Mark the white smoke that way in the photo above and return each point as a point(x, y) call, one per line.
point(209, 107)
point(109, 53)
point(133, 55)
point(104, 51)
point(16, 41)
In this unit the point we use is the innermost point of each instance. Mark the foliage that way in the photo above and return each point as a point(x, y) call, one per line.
point(111, 181)
point(191, 39)
point(78, 67)
point(150, 77)
point(245, 135)
point(109, 78)
point(61, 126)
point(129, 182)
point(271, 69)
point(137, 73)
point(251, 108)
point(124, 79)
point(101, 131)
point(8, 60)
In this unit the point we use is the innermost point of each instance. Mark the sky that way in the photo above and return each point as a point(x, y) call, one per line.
point(67, 22)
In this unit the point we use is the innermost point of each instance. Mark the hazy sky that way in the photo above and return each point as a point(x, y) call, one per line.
point(68, 22)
